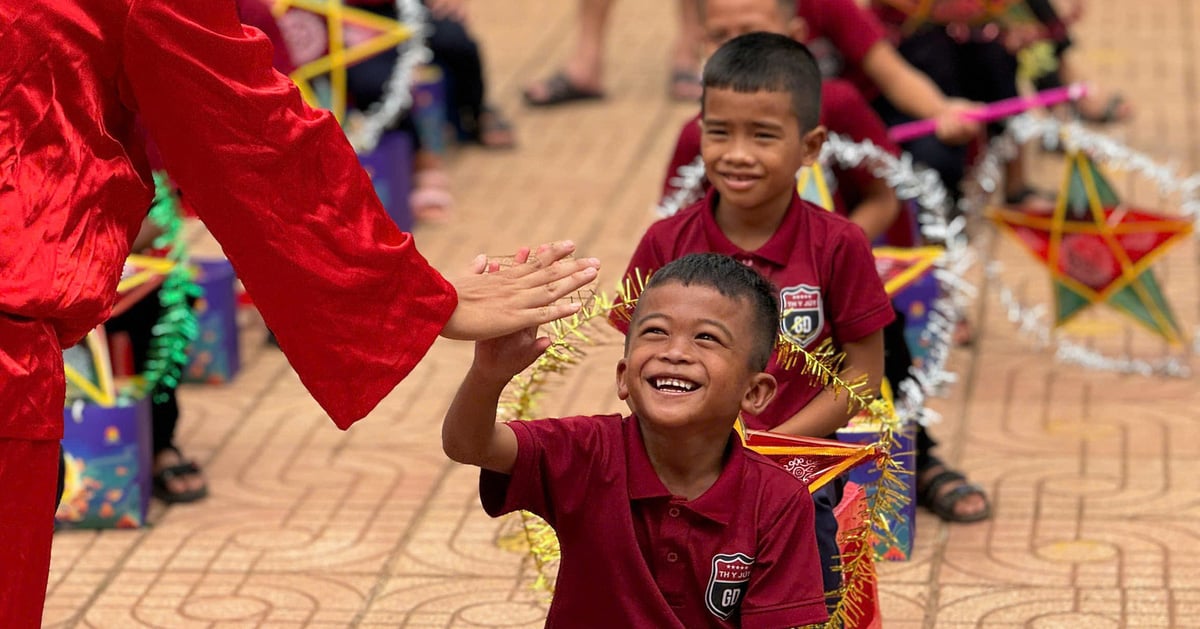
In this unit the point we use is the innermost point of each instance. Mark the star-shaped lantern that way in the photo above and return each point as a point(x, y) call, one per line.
point(353, 36)
point(1099, 250)
point(898, 267)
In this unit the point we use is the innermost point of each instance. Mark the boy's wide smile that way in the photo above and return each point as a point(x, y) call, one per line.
point(673, 386)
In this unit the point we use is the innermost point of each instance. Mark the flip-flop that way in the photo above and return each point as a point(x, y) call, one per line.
point(492, 122)
point(685, 86)
point(559, 91)
point(1109, 115)
point(162, 478)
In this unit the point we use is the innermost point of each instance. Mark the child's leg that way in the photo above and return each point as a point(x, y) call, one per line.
point(954, 499)
point(583, 74)
point(824, 501)
point(176, 478)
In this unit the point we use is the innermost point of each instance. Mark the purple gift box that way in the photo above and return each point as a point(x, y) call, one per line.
point(107, 455)
point(390, 168)
point(214, 356)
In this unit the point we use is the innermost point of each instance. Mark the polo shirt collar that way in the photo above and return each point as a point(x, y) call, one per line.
point(777, 251)
point(715, 504)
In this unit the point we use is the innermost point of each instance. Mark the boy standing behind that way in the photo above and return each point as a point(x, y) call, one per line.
point(759, 118)
point(664, 518)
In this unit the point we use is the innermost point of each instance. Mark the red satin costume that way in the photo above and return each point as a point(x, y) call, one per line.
point(350, 299)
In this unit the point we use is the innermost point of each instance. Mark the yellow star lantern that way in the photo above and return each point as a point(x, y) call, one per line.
point(1099, 250)
point(373, 34)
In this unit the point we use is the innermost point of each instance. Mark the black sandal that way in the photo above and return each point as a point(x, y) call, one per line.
point(560, 91)
point(163, 477)
point(943, 505)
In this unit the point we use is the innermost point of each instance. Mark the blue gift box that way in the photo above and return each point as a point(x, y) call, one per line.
point(903, 527)
point(107, 454)
point(915, 301)
point(214, 356)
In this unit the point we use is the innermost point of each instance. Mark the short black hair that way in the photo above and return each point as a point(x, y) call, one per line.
point(735, 281)
point(757, 62)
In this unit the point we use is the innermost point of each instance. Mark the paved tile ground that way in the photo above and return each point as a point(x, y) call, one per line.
point(1095, 478)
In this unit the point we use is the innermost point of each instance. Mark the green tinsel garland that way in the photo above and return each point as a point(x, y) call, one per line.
point(176, 327)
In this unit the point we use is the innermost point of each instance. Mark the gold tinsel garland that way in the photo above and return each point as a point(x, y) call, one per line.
point(568, 338)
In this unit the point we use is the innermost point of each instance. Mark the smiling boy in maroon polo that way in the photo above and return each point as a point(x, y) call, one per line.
point(664, 518)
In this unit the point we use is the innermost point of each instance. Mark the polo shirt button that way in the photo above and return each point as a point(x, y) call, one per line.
point(672, 557)
point(673, 512)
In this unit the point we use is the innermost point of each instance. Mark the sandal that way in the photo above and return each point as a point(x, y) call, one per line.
point(162, 482)
point(932, 493)
point(1115, 110)
point(494, 131)
point(686, 86)
point(559, 90)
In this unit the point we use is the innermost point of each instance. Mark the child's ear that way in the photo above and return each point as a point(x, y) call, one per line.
point(812, 143)
point(761, 392)
point(622, 388)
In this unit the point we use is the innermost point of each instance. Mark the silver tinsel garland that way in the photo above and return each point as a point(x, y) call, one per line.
point(365, 128)
point(1032, 321)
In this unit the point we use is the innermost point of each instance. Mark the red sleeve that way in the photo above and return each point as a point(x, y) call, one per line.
point(787, 567)
point(852, 29)
point(257, 13)
point(553, 457)
point(857, 302)
point(353, 304)
point(687, 149)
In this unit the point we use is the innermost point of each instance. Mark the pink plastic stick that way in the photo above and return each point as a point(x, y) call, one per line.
point(993, 111)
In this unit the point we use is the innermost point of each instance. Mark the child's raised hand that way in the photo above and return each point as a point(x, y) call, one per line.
point(501, 358)
point(954, 125)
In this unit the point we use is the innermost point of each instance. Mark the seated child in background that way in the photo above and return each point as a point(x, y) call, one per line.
point(856, 192)
point(760, 125)
point(664, 518)
point(868, 202)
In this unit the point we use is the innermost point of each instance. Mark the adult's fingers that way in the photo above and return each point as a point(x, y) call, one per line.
point(556, 282)
point(545, 314)
point(547, 254)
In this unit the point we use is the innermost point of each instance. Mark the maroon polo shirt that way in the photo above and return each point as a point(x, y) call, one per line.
point(844, 112)
point(819, 261)
point(849, 30)
point(743, 554)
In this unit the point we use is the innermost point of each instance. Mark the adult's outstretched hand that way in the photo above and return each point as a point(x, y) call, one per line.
point(524, 295)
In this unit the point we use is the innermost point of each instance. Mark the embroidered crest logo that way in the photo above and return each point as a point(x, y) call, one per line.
point(727, 584)
point(802, 315)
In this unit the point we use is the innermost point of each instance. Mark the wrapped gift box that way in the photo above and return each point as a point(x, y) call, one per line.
point(107, 453)
point(915, 302)
point(850, 514)
point(390, 168)
point(904, 526)
point(214, 356)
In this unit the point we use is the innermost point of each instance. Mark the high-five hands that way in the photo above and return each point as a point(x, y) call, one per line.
point(500, 302)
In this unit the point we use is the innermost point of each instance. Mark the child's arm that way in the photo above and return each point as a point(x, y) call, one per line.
point(915, 94)
point(831, 410)
point(470, 433)
point(877, 210)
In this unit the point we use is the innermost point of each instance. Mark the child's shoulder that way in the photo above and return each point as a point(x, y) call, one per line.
point(687, 218)
point(824, 224)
